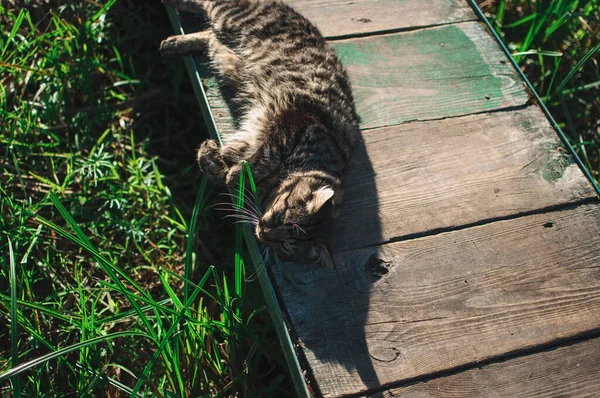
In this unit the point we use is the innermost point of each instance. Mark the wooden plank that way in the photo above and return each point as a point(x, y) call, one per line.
point(421, 75)
point(571, 371)
point(342, 18)
point(408, 309)
point(419, 177)
point(429, 74)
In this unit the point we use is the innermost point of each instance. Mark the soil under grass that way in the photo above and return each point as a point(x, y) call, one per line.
point(95, 126)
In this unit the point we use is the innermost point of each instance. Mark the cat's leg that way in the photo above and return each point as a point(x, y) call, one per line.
point(262, 163)
point(191, 43)
point(226, 62)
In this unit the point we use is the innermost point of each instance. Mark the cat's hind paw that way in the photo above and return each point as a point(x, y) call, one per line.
point(169, 47)
point(191, 43)
point(211, 161)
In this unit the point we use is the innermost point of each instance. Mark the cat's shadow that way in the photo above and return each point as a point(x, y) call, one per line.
point(326, 310)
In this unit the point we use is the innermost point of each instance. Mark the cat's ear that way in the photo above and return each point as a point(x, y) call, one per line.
point(320, 197)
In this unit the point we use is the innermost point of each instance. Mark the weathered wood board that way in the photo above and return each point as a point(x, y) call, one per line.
point(570, 371)
point(429, 74)
point(419, 177)
point(447, 300)
point(422, 75)
point(342, 18)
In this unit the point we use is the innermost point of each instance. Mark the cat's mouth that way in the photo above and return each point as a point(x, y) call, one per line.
point(274, 238)
point(269, 235)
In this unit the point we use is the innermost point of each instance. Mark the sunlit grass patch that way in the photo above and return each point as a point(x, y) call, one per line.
point(112, 281)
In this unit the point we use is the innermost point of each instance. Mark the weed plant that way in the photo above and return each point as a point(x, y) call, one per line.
point(113, 282)
point(557, 43)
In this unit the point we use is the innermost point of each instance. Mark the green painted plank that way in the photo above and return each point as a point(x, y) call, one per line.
point(342, 18)
point(422, 75)
point(429, 74)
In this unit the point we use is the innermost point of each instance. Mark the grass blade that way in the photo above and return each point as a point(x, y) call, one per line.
point(520, 22)
point(14, 325)
point(69, 219)
point(103, 10)
point(14, 30)
point(107, 266)
point(575, 69)
point(189, 255)
point(239, 243)
point(157, 353)
point(63, 351)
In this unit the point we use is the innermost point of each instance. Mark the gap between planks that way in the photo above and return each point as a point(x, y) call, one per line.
point(438, 231)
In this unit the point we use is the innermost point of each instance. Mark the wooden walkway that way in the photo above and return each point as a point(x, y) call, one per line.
point(468, 250)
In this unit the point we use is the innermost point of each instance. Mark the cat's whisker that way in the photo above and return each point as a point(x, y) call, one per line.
point(250, 203)
point(242, 213)
point(241, 216)
point(299, 229)
point(233, 208)
point(245, 222)
point(253, 221)
point(246, 212)
point(258, 268)
point(247, 193)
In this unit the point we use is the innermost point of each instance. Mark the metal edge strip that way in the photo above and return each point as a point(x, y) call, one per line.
point(265, 283)
point(539, 101)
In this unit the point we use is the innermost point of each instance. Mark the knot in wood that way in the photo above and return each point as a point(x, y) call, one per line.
point(384, 353)
point(377, 267)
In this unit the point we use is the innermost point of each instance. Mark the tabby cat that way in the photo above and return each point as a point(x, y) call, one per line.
point(298, 123)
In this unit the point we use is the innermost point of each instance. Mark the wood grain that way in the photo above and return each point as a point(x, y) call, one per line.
point(447, 300)
point(571, 371)
point(342, 18)
point(429, 74)
point(418, 177)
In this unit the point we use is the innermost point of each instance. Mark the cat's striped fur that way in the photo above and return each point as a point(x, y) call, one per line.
point(298, 125)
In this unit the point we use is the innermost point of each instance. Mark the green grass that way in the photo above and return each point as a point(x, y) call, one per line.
point(557, 43)
point(117, 276)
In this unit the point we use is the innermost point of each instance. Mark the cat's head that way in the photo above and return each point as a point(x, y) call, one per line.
point(293, 220)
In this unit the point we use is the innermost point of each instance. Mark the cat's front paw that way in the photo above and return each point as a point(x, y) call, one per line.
point(211, 161)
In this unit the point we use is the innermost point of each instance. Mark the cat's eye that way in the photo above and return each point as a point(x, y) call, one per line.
point(282, 218)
